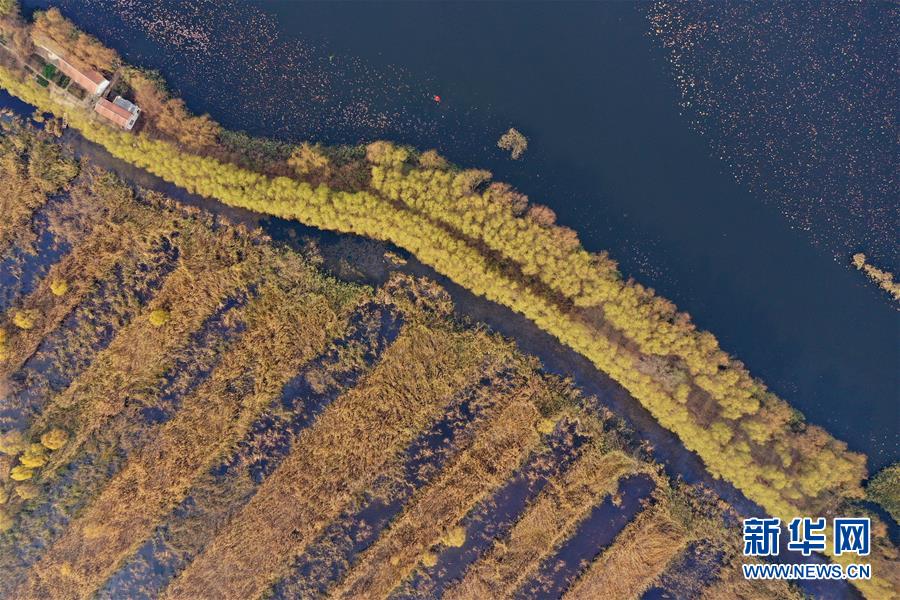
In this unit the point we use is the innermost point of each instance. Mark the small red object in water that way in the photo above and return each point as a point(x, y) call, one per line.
point(437, 98)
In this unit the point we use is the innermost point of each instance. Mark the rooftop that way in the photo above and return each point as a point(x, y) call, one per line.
point(87, 78)
point(117, 112)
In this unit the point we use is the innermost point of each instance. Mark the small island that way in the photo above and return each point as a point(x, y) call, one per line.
point(514, 142)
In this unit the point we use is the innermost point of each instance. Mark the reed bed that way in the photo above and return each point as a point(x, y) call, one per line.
point(552, 518)
point(288, 325)
point(638, 556)
point(333, 461)
point(81, 269)
point(434, 513)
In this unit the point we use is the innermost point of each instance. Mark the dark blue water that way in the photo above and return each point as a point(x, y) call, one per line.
point(609, 152)
point(13, 103)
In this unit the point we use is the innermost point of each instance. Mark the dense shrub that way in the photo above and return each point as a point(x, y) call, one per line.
point(884, 489)
point(35, 457)
point(159, 317)
point(24, 319)
point(55, 439)
point(21, 473)
point(59, 287)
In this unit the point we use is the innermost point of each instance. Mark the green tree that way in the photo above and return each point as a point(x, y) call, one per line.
point(884, 489)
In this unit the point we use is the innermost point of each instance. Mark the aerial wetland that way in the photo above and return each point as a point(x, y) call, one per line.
point(268, 328)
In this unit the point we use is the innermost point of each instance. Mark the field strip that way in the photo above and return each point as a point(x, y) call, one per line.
point(20, 201)
point(549, 520)
point(25, 263)
point(99, 444)
point(88, 329)
point(636, 558)
point(88, 226)
point(64, 223)
point(332, 554)
point(371, 329)
point(33, 170)
point(558, 570)
point(289, 327)
point(493, 457)
point(221, 491)
point(332, 461)
point(493, 516)
point(66, 495)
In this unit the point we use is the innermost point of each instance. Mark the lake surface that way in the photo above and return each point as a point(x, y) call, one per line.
point(609, 152)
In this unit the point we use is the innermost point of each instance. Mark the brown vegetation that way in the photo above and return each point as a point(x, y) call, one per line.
point(638, 556)
point(550, 520)
point(514, 142)
point(51, 28)
point(31, 170)
point(283, 334)
point(436, 510)
point(88, 262)
point(167, 117)
point(132, 364)
point(733, 585)
point(339, 456)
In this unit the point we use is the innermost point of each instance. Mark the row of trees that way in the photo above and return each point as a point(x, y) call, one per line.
point(500, 218)
point(52, 28)
point(168, 117)
point(787, 473)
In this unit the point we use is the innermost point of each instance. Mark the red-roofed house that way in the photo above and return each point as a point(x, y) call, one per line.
point(90, 80)
point(120, 111)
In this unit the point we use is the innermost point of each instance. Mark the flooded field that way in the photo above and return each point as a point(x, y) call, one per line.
point(227, 417)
